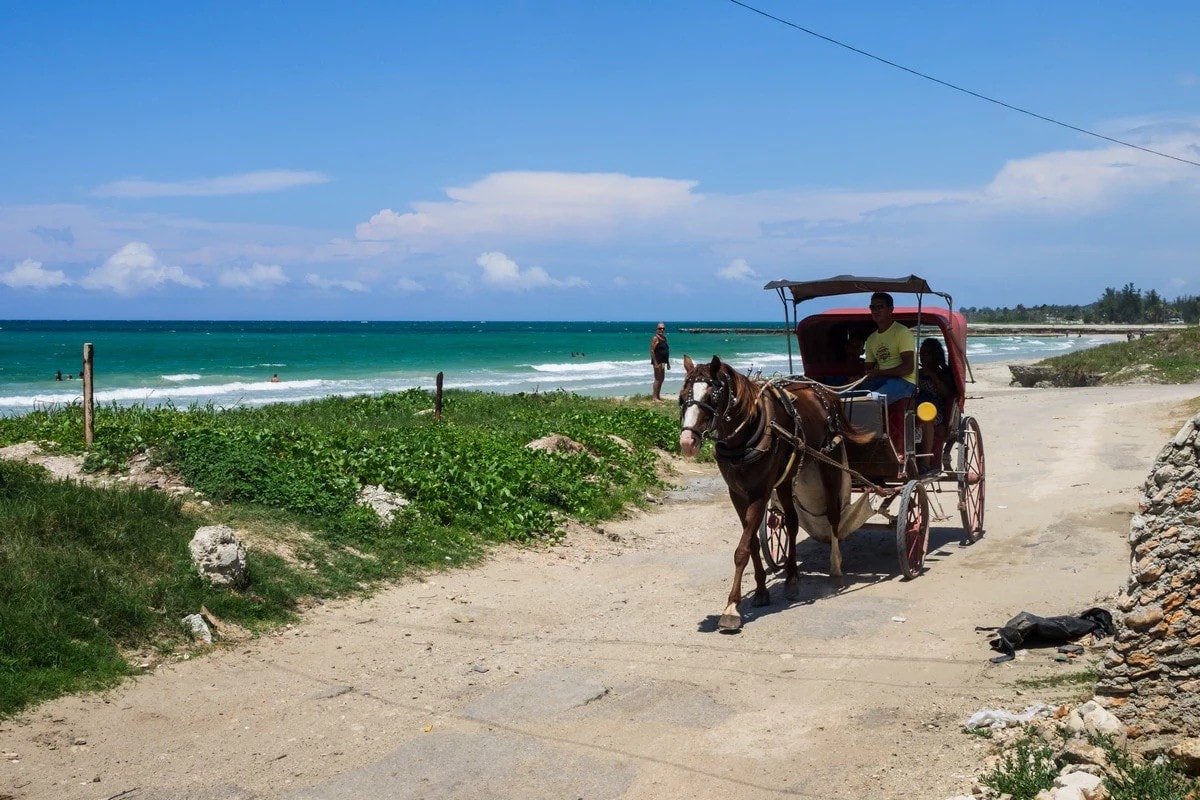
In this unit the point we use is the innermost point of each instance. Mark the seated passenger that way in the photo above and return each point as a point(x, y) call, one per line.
point(851, 358)
point(935, 385)
point(890, 354)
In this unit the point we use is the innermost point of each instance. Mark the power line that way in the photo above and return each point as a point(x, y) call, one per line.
point(949, 85)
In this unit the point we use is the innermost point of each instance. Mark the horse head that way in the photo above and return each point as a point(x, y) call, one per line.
point(707, 391)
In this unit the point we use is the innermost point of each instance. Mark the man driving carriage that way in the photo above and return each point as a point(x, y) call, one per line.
point(890, 353)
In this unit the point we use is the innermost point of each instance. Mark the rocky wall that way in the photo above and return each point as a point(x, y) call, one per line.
point(1150, 677)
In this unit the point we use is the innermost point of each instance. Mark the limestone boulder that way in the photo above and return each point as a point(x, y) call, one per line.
point(219, 556)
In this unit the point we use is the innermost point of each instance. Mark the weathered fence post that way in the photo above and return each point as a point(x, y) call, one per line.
point(89, 433)
point(437, 399)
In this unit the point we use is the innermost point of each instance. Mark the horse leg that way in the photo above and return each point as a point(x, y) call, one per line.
point(750, 512)
point(791, 572)
point(762, 596)
point(831, 479)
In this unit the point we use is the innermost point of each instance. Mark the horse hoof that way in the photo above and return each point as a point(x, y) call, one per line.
point(762, 599)
point(791, 591)
point(730, 623)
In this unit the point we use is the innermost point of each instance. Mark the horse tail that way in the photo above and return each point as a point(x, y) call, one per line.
point(850, 432)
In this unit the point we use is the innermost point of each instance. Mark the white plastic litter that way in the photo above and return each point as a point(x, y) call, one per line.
point(899, 619)
point(998, 718)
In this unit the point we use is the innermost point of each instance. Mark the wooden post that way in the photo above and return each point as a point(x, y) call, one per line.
point(89, 433)
point(437, 399)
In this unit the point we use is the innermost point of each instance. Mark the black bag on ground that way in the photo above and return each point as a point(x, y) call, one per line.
point(1030, 630)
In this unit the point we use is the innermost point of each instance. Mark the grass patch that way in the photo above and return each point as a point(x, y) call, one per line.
point(87, 572)
point(96, 571)
point(1029, 766)
point(1162, 357)
point(1024, 770)
point(1085, 677)
point(1187, 410)
point(1136, 779)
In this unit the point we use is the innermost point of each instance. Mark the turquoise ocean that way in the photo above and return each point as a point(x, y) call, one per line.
point(232, 363)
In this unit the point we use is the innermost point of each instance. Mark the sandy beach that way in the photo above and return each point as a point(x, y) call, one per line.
point(592, 669)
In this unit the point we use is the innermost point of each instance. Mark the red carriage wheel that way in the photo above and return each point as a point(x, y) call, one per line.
point(772, 535)
point(912, 529)
point(971, 483)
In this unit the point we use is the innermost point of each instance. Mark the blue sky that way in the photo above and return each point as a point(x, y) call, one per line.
point(553, 159)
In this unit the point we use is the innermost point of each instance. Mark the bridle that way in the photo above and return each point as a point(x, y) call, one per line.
point(717, 403)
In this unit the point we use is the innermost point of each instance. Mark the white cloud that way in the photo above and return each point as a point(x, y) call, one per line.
point(245, 183)
point(312, 279)
point(258, 276)
point(29, 274)
point(502, 272)
point(535, 203)
point(409, 285)
point(1090, 180)
point(738, 270)
point(134, 268)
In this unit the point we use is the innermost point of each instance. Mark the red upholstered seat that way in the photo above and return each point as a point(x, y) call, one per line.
point(896, 412)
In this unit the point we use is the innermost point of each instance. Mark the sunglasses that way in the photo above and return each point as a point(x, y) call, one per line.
point(876, 306)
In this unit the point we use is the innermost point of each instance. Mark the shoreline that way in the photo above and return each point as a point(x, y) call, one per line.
point(991, 329)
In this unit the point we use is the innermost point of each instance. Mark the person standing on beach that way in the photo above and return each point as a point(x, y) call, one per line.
point(891, 353)
point(660, 359)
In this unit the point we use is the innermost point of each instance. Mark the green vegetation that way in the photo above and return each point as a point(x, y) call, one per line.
point(1126, 305)
point(1135, 779)
point(1025, 769)
point(1029, 766)
point(1166, 357)
point(87, 572)
point(92, 572)
point(1086, 677)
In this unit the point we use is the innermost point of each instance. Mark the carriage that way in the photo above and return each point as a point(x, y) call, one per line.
point(795, 450)
point(890, 475)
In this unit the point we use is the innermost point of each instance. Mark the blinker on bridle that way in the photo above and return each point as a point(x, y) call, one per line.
point(719, 401)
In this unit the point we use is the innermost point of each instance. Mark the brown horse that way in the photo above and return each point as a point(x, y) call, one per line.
point(762, 436)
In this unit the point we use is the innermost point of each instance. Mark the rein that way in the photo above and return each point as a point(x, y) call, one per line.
point(759, 443)
point(756, 444)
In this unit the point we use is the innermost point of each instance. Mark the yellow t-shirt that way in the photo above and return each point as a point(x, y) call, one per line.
point(884, 349)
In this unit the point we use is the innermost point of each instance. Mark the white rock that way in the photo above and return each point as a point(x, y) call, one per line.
point(198, 628)
point(1083, 781)
point(219, 555)
point(1097, 719)
point(1067, 793)
point(556, 443)
point(381, 501)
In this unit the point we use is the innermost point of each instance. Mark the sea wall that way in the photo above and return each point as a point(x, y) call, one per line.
point(1150, 677)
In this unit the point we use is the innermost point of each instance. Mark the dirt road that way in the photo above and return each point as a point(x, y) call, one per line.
point(593, 670)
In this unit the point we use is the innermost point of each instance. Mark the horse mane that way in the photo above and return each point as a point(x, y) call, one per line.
point(743, 392)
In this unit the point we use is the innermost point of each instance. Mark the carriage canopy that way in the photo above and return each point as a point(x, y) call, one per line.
point(953, 325)
point(853, 284)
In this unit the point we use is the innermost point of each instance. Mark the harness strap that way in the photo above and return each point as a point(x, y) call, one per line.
point(800, 444)
point(761, 438)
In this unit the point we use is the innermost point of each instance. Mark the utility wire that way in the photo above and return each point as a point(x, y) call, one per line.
point(960, 88)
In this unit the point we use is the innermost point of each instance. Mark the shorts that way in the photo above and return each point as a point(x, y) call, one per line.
point(893, 389)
